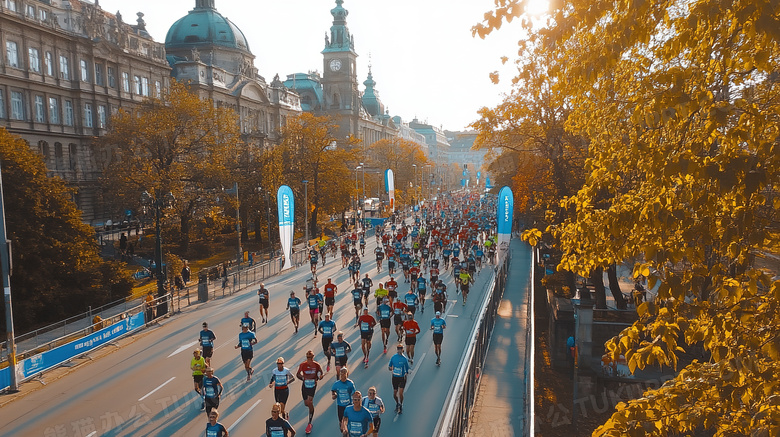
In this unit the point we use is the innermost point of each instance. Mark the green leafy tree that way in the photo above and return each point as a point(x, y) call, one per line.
point(57, 269)
point(681, 104)
point(175, 144)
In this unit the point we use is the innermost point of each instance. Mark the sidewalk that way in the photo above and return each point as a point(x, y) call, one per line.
point(499, 408)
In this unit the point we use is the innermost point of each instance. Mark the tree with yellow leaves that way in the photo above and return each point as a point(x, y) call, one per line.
point(680, 103)
point(175, 144)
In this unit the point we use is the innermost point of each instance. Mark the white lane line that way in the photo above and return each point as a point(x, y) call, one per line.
point(183, 348)
point(91, 434)
point(230, 429)
point(161, 386)
point(409, 383)
point(451, 315)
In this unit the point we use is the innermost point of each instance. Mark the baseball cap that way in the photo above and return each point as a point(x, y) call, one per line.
point(438, 313)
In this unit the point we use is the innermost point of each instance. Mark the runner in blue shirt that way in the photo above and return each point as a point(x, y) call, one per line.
point(399, 366)
point(212, 390)
point(214, 428)
point(383, 313)
point(357, 301)
point(375, 406)
point(357, 420)
point(246, 340)
point(438, 324)
point(294, 305)
point(411, 300)
point(421, 291)
point(342, 391)
point(249, 322)
point(327, 327)
point(314, 309)
point(277, 426)
point(206, 339)
point(339, 349)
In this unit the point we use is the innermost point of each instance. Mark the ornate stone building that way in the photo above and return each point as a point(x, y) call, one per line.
point(212, 55)
point(66, 67)
point(336, 92)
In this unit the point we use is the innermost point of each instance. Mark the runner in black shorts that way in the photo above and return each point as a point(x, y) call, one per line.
point(262, 294)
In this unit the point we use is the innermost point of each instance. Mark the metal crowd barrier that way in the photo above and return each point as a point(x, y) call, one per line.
point(454, 420)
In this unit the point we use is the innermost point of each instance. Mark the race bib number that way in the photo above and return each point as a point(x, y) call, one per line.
point(355, 428)
point(279, 381)
point(277, 433)
point(340, 352)
point(364, 326)
point(397, 371)
point(245, 343)
point(210, 391)
point(309, 383)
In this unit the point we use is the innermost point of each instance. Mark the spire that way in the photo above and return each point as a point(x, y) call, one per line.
point(340, 39)
point(204, 4)
point(369, 83)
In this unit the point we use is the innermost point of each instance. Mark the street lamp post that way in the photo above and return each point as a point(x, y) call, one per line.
point(306, 207)
point(5, 267)
point(363, 205)
point(234, 190)
point(158, 203)
point(414, 178)
point(355, 210)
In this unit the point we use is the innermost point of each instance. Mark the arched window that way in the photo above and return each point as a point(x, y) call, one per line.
point(58, 162)
point(336, 103)
point(72, 156)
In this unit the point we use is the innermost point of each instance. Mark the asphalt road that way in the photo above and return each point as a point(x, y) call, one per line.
point(145, 387)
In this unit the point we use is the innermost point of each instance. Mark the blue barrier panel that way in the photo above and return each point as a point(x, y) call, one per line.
point(5, 378)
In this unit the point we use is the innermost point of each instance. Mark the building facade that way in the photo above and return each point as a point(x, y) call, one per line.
point(66, 67)
point(211, 54)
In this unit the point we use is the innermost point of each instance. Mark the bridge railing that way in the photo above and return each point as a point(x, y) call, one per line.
point(454, 420)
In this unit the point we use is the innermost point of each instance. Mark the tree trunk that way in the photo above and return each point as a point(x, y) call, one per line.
point(258, 229)
point(313, 222)
point(614, 287)
point(184, 240)
point(597, 277)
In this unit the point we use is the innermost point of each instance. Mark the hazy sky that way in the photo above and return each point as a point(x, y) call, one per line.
point(424, 60)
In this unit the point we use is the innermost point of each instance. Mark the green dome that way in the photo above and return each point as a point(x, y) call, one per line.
point(205, 26)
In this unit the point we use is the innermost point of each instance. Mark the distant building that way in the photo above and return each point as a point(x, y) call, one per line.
point(336, 93)
point(66, 67)
point(438, 146)
point(211, 54)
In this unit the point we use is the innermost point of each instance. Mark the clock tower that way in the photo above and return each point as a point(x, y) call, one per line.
point(339, 78)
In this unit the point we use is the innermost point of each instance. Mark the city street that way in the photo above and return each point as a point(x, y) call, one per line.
point(145, 388)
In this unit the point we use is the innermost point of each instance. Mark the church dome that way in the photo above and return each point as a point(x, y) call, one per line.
point(204, 26)
point(371, 102)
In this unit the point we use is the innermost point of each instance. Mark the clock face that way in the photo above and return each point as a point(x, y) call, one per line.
point(335, 65)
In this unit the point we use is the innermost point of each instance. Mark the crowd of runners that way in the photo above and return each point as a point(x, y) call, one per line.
point(417, 252)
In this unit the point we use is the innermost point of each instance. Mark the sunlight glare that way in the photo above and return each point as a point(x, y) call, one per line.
point(537, 8)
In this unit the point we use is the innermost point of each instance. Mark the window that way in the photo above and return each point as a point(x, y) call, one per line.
point(57, 156)
point(31, 11)
point(49, 64)
point(68, 113)
point(54, 110)
point(137, 82)
point(40, 115)
point(17, 105)
point(87, 115)
point(125, 82)
point(2, 104)
point(64, 68)
point(12, 5)
point(102, 116)
point(35, 62)
point(44, 15)
point(99, 74)
point(157, 88)
point(84, 71)
point(12, 55)
point(111, 77)
point(145, 86)
point(72, 156)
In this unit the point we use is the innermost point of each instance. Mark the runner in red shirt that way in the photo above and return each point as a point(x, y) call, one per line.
point(330, 296)
point(366, 323)
point(392, 290)
point(411, 329)
point(309, 372)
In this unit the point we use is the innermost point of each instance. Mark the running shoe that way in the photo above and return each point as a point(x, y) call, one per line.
point(202, 406)
point(308, 429)
point(411, 361)
point(327, 369)
point(385, 350)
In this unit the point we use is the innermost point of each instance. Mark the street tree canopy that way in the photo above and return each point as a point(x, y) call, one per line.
point(679, 101)
point(308, 152)
point(177, 144)
point(57, 268)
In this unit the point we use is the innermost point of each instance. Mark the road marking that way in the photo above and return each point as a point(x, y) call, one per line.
point(183, 348)
point(409, 383)
point(161, 386)
point(91, 434)
point(451, 315)
point(243, 415)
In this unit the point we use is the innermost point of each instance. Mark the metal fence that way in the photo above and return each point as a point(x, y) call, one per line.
point(454, 420)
